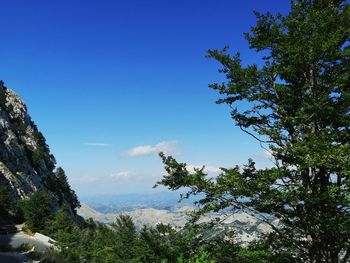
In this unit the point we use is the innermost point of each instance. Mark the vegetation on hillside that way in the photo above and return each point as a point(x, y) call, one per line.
point(5, 201)
point(36, 210)
point(5, 205)
point(121, 242)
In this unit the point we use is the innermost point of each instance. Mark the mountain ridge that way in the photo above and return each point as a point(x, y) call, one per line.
point(26, 164)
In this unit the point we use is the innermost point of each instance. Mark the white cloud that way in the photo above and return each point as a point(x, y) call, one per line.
point(267, 155)
point(97, 144)
point(167, 147)
point(212, 170)
point(122, 174)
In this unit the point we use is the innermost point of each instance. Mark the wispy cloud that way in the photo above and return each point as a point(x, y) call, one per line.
point(121, 175)
point(265, 155)
point(167, 147)
point(212, 170)
point(97, 144)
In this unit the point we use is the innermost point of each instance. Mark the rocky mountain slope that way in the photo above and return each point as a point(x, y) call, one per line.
point(26, 164)
point(144, 216)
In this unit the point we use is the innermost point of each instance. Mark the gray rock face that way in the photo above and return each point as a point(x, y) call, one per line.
point(26, 164)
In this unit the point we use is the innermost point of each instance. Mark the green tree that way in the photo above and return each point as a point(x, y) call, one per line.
point(37, 210)
point(164, 243)
point(5, 200)
point(61, 223)
point(65, 189)
point(203, 257)
point(128, 246)
point(297, 105)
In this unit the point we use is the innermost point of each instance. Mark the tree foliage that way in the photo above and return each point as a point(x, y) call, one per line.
point(65, 189)
point(297, 104)
point(37, 210)
point(5, 200)
point(122, 243)
point(164, 243)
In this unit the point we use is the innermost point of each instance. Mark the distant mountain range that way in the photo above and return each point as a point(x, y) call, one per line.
point(129, 202)
point(246, 227)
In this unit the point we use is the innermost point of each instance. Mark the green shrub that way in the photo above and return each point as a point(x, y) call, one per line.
point(36, 210)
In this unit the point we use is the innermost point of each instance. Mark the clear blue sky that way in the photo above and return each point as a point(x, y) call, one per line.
point(102, 78)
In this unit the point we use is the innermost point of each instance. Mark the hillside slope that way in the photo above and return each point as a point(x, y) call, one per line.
point(26, 164)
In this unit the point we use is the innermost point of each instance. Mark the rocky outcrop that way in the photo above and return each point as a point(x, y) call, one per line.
point(26, 164)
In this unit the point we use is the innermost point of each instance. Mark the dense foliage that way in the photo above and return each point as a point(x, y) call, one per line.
point(36, 210)
point(120, 242)
point(297, 105)
point(5, 201)
point(65, 189)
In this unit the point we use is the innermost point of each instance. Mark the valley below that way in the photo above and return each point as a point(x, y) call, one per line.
point(163, 208)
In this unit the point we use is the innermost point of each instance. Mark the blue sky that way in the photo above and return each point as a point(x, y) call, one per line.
point(111, 83)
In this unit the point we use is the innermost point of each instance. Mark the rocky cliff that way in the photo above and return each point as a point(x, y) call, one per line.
point(26, 164)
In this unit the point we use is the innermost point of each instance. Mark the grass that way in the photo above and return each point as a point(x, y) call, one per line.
point(26, 230)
